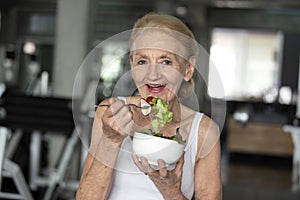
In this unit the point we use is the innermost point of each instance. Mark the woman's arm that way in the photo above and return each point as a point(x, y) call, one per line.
point(96, 182)
point(110, 127)
point(208, 183)
point(97, 176)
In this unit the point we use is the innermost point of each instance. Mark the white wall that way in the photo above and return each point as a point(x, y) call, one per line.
point(71, 43)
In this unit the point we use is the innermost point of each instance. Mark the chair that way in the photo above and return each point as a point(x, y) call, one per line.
point(12, 170)
point(38, 115)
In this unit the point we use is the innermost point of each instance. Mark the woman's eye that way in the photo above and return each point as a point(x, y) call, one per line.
point(141, 62)
point(167, 62)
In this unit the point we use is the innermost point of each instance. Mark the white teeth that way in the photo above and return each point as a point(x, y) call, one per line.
point(155, 86)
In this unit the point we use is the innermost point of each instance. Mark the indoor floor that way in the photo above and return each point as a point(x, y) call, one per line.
point(245, 177)
point(255, 177)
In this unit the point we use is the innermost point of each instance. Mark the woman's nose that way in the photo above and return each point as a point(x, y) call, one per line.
point(154, 72)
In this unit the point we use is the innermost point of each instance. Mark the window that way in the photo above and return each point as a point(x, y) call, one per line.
point(248, 63)
point(42, 24)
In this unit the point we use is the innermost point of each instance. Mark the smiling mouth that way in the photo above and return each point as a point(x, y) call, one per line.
point(153, 86)
point(156, 88)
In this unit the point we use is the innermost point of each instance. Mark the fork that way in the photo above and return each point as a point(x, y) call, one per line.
point(107, 105)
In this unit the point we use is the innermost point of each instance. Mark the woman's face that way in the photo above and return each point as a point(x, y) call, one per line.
point(158, 73)
point(158, 64)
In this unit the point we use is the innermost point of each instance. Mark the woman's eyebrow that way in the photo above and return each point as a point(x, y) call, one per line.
point(139, 55)
point(167, 55)
point(164, 56)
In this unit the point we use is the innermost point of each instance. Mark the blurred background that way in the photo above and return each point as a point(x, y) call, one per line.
point(254, 44)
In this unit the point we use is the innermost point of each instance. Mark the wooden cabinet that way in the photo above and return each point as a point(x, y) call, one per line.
point(258, 138)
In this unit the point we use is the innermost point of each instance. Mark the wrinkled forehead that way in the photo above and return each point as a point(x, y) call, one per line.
point(156, 53)
point(160, 39)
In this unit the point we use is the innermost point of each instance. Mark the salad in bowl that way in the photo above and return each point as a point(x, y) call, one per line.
point(152, 144)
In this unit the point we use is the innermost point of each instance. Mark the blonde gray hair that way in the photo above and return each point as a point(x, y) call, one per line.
point(168, 22)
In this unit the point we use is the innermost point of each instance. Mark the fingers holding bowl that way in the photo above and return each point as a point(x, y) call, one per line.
point(142, 164)
point(162, 169)
point(179, 164)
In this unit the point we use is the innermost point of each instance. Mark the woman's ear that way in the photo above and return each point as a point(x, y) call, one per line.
point(189, 71)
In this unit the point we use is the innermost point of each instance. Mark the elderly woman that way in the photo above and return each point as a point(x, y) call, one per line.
point(162, 57)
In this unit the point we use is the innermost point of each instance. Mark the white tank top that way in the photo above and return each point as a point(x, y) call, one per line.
point(129, 183)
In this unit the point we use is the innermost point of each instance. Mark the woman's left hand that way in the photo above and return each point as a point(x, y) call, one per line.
point(167, 182)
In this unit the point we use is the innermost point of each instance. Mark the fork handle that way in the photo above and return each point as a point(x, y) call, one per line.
point(107, 105)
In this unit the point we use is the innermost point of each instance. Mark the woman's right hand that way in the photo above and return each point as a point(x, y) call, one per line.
point(117, 121)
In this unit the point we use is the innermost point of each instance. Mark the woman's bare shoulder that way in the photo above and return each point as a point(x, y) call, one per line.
point(207, 124)
point(208, 135)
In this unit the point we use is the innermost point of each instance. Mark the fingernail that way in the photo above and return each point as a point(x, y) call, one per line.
point(161, 163)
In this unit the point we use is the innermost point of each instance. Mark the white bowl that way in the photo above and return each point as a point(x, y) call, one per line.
point(154, 148)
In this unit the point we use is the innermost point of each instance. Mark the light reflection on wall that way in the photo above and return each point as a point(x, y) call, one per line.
point(247, 60)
